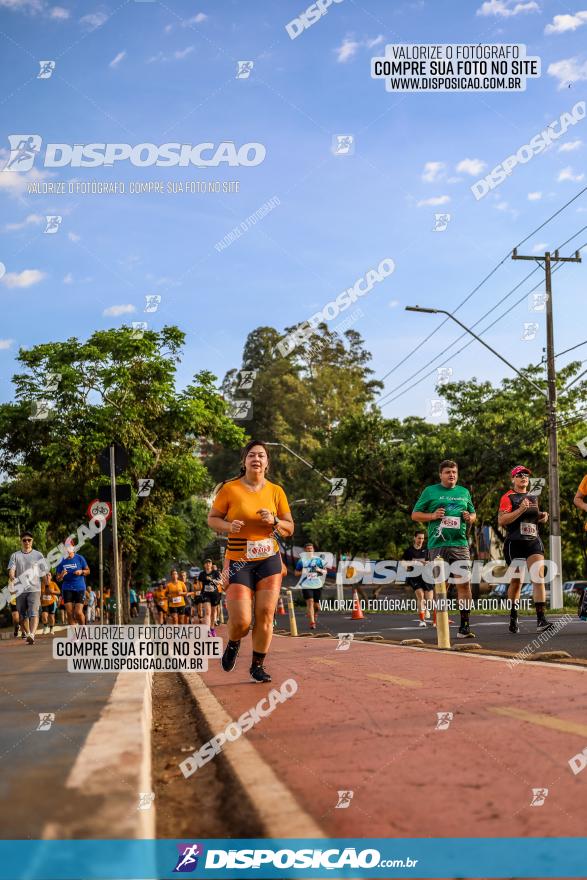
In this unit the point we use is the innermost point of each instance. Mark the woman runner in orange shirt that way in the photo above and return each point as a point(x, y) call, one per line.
point(251, 510)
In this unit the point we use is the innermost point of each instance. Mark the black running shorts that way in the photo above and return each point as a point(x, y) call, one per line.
point(521, 549)
point(314, 593)
point(250, 573)
point(73, 597)
point(212, 598)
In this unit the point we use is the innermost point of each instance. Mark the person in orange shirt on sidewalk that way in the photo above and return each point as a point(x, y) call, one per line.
point(251, 510)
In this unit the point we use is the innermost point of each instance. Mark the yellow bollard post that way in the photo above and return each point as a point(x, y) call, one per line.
point(293, 626)
point(442, 630)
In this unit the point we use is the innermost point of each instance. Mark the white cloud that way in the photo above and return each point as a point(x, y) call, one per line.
point(349, 46)
point(570, 146)
point(117, 59)
point(59, 13)
point(568, 70)
point(433, 202)
point(32, 6)
point(393, 303)
point(432, 171)
point(93, 20)
point(540, 247)
point(506, 8)
point(346, 50)
point(5, 344)
point(534, 196)
point(183, 53)
point(471, 166)
point(16, 182)
point(30, 219)
point(68, 278)
point(26, 278)
point(568, 174)
point(195, 19)
point(168, 28)
point(114, 311)
point(562, 23)
point(178, 55)
point(72, 236)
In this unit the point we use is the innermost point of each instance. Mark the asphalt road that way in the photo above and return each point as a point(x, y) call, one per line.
point(491, 631)
point(36, 763)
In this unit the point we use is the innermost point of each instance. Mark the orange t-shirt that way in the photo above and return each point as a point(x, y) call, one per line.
point(255, 539)
point(176, 594)
point(582, 490)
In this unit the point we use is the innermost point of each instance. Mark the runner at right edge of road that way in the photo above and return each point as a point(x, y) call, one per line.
point(251, 510)
point(518, 512)
point(448, 510)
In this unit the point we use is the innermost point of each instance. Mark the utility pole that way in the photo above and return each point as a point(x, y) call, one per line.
point(556, 588)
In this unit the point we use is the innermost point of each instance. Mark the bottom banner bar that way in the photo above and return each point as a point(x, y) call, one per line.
point(287, 858)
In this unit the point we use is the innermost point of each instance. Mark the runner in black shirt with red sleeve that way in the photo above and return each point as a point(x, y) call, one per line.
point(519, 513)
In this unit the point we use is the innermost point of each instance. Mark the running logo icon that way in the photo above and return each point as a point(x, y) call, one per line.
point(23, 150)
point(146, 799)
point(539, 795)
point(344, 641)
point(344, 800)
point(343, 144)
point(244, 68)
point(444, 719)
point(46, 71)
point(441, 222)
point(187, 861)
point(152, 301)
point(46, 719)
point(53, 224)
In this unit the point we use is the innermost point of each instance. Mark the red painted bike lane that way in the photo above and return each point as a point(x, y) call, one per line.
point(366, 720)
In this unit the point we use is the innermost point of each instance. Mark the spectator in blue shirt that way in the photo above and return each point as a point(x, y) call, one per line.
point(71, 572)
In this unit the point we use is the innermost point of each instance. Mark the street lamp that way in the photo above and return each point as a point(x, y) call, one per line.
point(556, 590)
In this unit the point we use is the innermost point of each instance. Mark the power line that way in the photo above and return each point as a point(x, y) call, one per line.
point(481, 283)
point(383, 398)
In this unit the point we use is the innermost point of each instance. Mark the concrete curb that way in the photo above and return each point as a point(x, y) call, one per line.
point(114, 765)
point(280, 813)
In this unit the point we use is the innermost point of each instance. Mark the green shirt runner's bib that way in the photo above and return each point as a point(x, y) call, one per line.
point(451, 531)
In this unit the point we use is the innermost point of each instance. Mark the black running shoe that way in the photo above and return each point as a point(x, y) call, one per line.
point(230, 655)
point(514, 625)
point(465, 632)
point(543, 624)
point(259, 674)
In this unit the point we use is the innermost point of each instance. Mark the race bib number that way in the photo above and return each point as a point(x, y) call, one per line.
point(48, 597)
point(209, 588)
point(176, 600)
point(450, 522)
point(257, 549)
point(529, 530)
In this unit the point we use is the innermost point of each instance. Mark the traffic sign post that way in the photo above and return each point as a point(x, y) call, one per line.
point(116, 569)
point(97, 508)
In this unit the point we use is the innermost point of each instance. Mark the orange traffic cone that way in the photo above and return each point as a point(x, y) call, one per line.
point(280, 606)
point(357, 613)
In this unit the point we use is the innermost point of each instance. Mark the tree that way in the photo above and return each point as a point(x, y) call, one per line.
point(113, 387)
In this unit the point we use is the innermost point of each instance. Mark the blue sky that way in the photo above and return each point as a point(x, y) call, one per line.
point(156, 72)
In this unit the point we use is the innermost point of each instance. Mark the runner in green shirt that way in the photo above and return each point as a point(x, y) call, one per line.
point(448, 511)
